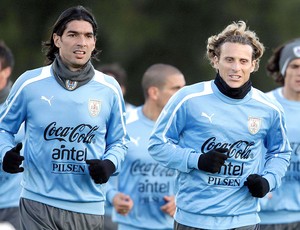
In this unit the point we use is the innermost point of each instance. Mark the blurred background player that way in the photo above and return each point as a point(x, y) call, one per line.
point(10, 187)
point(119, 73)
point(280, 209)
point(144, 195)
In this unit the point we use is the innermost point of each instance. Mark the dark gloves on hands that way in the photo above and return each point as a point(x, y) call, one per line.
point(12, 160)
point(213, 160)
point(100, 170)
point(257, 185)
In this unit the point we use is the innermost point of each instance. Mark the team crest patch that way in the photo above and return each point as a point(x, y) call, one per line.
point(254, 124)
point(71, 85)
point(94, 107)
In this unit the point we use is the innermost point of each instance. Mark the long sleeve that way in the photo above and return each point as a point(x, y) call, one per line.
point(164, 143)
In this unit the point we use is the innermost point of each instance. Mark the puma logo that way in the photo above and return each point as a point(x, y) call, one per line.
point(46, 99)
point(208, 117)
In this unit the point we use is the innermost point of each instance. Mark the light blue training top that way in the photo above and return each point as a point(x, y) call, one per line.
point(143, 179)
point(10, 184)
point(199, 118)
point(62, 130)
point(283, 205)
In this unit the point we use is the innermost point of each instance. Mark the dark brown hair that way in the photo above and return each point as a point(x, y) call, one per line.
point(71, 14)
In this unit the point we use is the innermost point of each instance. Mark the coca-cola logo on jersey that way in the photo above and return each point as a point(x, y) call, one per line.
point(296, 148)
point(84, 133)
point(150, 169)
point(239, 149)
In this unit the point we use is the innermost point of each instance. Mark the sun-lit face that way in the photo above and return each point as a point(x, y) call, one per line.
point(292, 77)
point(235, 63)
point(76, 44)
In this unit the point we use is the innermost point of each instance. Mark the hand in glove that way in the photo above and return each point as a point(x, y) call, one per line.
point(12, 160)
point(257, 185)
point(100, 170)
point(213, 160)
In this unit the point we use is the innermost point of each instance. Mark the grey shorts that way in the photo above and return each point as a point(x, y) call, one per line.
point(289, 226)
point(178, 226)
point(11, 215)
point(39, 216)
point(109, 224)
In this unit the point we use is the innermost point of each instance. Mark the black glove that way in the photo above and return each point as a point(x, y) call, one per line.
point(213, 160)
point(12, 160)
point(257, 185)
point(100, 170)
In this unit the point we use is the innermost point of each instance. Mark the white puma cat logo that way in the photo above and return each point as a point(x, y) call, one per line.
point(208, 117)
point(46, 99)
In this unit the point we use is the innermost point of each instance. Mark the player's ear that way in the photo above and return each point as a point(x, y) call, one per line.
point(153, 92)
point(56, 40)
point(215, 62)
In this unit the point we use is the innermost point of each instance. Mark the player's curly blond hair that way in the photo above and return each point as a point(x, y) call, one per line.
point(237, 32)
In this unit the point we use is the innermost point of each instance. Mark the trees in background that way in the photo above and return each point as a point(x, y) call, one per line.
point(138, 33)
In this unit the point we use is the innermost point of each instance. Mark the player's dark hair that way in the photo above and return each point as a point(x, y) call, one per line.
point(71, 14)
point(6, 56)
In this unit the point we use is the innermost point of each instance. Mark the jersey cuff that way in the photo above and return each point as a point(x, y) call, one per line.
point(271, 179)
point(193, 160)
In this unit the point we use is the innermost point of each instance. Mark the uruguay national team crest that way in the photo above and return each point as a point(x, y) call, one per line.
point(71, 85)
point(254, 124)
point(94, 107)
